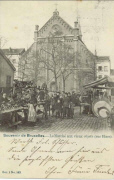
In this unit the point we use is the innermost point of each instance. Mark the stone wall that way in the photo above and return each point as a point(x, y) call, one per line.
point(5, 70)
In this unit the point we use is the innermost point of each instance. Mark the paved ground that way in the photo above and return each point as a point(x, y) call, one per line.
point(80, 123)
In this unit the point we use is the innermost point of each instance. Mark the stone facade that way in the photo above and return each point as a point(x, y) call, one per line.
point(14, 55)
point(103, 66)
point(6, 71)
point(82, 66)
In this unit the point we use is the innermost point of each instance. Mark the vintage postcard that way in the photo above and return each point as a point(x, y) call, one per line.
point(57, 89)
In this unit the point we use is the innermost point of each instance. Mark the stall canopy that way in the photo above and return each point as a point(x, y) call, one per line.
point(103, 81)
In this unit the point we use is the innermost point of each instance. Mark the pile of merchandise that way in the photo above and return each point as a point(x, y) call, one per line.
point(19, 97)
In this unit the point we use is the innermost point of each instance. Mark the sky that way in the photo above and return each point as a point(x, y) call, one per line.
point(18, 20)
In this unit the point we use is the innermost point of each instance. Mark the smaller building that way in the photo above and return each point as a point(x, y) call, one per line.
point(14, 55)
point(112, 74)
point(103, 66)
point(6, 71)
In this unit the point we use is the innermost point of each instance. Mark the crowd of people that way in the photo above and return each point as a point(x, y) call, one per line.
point(56, 104)
point(30, 101)
point(63, 104)
point(40, 100)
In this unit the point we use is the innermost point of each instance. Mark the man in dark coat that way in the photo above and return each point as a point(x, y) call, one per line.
point(66, 106)
point(73, 98)
point(53, 103)
point(41, 94)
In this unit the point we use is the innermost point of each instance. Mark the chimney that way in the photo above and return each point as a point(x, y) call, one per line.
point(76, 30)
point(10, 49)
point(80, 33)
point(95, 52)
point(36, 32)
point(75, 24)
point(36, 27)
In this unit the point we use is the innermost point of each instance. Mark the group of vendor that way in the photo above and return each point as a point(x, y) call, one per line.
point(56, 104)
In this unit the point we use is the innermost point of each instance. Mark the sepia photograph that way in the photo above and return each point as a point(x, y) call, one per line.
point(57, 89)
point(56, 66)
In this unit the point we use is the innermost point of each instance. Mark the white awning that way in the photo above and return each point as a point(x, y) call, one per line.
point(99, 82)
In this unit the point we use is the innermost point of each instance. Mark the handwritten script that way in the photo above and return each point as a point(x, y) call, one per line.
point(55, 157)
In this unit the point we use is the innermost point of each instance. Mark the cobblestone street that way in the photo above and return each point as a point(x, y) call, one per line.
point(81, 123)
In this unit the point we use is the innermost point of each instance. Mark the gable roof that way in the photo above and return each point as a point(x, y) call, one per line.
point(28, 50)
point(103, 58)
point(8, 61)
point(11, 51)
point(53, 18)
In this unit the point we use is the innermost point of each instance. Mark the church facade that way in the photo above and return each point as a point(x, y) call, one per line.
point(58, 57)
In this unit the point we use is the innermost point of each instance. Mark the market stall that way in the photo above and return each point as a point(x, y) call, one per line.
point(11, 117)
point(23, 104)
point(101, 96)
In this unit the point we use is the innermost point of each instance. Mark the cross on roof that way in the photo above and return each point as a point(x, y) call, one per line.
point(56, 6)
